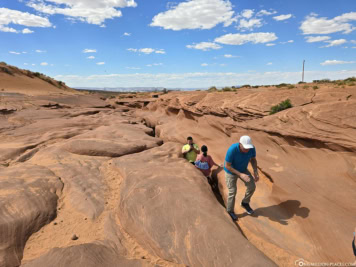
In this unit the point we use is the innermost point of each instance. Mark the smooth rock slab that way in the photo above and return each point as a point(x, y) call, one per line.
point(88, 255)
point(28, 201)
point(167, 206)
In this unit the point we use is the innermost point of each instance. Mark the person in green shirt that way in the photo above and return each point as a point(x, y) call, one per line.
point(190, 150)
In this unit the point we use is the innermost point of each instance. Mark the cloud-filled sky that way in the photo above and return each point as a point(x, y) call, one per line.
point(179, 44)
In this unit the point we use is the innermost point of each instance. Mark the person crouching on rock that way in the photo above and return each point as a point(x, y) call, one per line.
point(204, 163)
point(236, 161)
point(190, 150)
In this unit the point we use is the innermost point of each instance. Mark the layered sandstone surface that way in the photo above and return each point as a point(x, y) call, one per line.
point(87, 180)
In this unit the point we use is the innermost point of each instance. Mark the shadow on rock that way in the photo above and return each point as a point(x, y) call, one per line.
point(282, 212)
point(214, 176)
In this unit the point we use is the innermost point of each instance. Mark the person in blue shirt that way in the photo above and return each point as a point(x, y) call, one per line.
point(236, 161)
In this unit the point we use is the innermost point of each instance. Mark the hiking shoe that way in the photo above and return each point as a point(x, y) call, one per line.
point(233, 216)
point(247, 207)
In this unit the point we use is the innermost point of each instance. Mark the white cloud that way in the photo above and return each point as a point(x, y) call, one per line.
point(282, 17)
point(33, 64)
point(91, 57)
point(133, 68)
point(127, 34)
point(40, 51)
point(265, 13)
point(229, 56)
point(146, 51)
point(9, 16)
point(7, 29)
point(15, 53)
point(161, 51)
point(195, 14)
point(204, 65)
point(198, 79)
point(100, 63)
point(247, 13)
point(205, 46)
point(353, 41)
point(92, 12)
point(155, 64)
point(335, 42)
point(249, 24)
point(335, 62)
point(89, 51)
point(314, 25)
point(269, 64)
point(270, 44)
point(25, 64)
point(313, 39)
point(26, 31)
point(240, 39)
point(44, 64)
point(288, 42)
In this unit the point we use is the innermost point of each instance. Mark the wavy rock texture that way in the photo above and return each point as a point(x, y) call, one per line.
point(306, 156)
point(108, 171)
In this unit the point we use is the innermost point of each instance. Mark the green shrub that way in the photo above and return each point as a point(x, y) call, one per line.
point(212, 89)
point(6, 70)
point(351, 79)
point(301, 82)
point(282, 85)
point(246, 86)
point(291, 86)
point(227, 89)
point(256, 86)
point(305, 86)
point(351, 84)
point(322, 81)
point(281, 106)
point(315, 87)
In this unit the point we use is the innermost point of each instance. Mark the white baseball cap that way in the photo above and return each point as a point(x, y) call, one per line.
point(246, 142)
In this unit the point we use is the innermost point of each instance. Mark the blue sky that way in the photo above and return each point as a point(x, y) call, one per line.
point(185, 44)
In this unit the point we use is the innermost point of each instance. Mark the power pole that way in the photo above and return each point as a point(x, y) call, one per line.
point(303, 71)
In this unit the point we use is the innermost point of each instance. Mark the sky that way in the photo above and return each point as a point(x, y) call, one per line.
point(180, 44)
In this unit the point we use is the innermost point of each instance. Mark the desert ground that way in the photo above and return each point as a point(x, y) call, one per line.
point(98, 179)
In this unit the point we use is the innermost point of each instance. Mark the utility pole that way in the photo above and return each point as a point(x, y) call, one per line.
point(303, 71)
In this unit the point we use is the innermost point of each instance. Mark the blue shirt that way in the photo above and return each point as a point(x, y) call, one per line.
point(238, 159)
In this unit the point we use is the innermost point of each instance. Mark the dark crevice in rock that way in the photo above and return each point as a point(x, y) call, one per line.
point(7, 111)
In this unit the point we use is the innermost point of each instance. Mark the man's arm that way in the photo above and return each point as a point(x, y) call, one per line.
point(184, 151)
point(197, 150)
point(255, 170)
point(243, 176)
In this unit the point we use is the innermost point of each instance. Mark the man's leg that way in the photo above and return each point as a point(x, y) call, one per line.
point(250, 188)
point(231, 185)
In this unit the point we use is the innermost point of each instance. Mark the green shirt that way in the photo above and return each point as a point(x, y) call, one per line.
point(192, 155)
